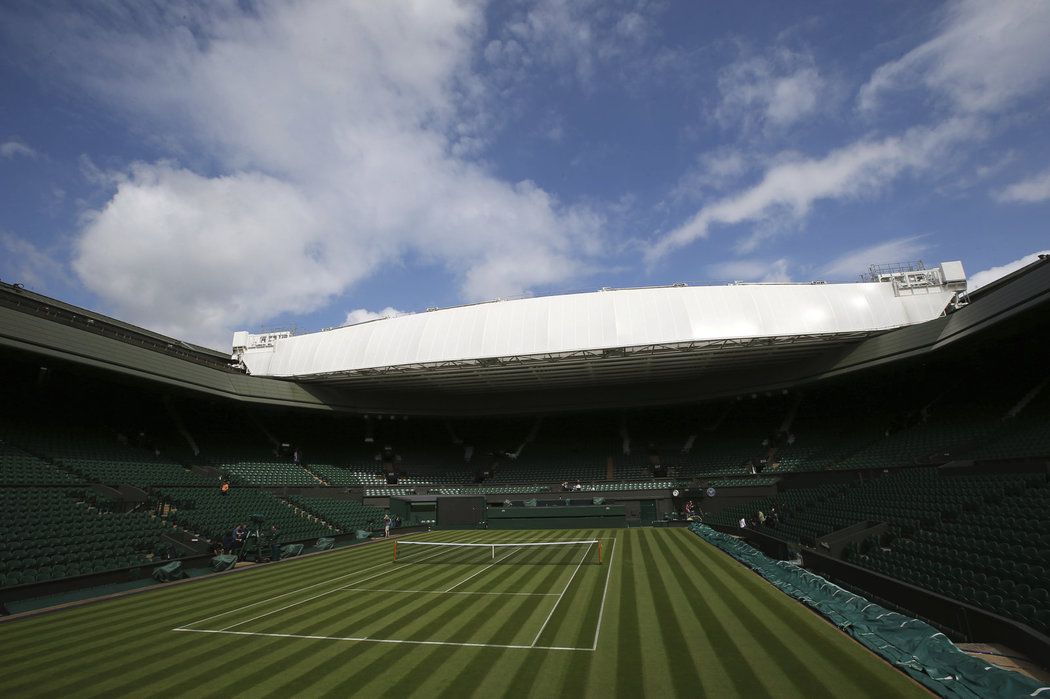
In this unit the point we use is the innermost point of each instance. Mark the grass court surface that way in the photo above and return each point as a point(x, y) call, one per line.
point(665, 615)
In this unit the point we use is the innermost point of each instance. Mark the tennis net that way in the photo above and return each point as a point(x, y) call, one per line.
point(587, 552)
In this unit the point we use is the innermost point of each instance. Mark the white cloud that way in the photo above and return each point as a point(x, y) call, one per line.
point(576, 38)
point(1029, 190)
point(856, 262)
point(987, 276)
point(769, 91)
point(985, 56)
point(713, 172)
point(363, 315)
point(12, 149)
point(751, 271)
point(789, 189)
point(24, 263)
point(340, 133)
point(191, 255)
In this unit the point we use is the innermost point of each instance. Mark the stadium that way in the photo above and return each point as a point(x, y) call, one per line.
point(819, 489)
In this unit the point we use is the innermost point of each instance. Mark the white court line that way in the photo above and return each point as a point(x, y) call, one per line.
point(301, 601)
point(446, 592)
point(301, 589)
point(184, 627)
point(601, 610)
point(547, 620)
point(384, 640)
point(482, 570)
point(296, 591)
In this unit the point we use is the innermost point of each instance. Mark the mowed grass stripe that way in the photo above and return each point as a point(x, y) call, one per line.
point(588, 674)
point(731, 662)
point(185, 602)
point(166, 655)
point(309, 648)
point(487, 670)
point(384, 656)
point(365, 572)
point(189, 653)
point(416, 576)
point(95, 631)
point(630, 671)
point(853, 663)
point(802, 643)
point(653, 636)
point(522, 672)
point(444, 608)
point(132, 620)
point(565, 625)
point(337, 608)
point(456, 616)
point(793, 658)
point(678, 648)
point(515, 619)
point(299, 619)
point(127, 623)
point(436, 614)
point(207, 661)
point(142, 655)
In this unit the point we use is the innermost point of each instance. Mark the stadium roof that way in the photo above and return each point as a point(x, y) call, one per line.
point(36, 331)
point(627, 335)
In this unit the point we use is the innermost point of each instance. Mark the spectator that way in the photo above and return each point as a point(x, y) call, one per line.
point(743, 523)
point(761, 518)
point(239, 535)
point(275, 547)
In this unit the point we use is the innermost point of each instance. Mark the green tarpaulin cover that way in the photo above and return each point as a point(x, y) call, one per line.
point(223, 561)
point(290, 550)
point(170, 571)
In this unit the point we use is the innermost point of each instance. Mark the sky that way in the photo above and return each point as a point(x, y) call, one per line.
point(200, 168)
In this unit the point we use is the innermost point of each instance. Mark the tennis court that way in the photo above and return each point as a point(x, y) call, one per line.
point(661, 613)
point(473, 594)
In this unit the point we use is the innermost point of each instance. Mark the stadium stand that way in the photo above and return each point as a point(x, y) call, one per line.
point(348, 515)
point(212, 513)
point(19, 468)
point(52, 533)
point(945, 455)
point(978, 538)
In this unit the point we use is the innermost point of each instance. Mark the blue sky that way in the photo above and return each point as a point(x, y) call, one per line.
point(207, 167)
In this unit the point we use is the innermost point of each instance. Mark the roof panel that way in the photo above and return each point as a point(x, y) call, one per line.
point(603, 320)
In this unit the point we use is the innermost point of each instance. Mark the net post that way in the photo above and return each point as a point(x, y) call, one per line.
point(599, 552)
point(395, 550)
